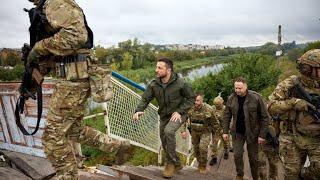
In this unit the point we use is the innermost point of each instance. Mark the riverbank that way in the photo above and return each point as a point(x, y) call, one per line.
point(145, 74)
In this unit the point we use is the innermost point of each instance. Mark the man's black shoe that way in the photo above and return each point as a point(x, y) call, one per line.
point(213, 161)
point(226, 154)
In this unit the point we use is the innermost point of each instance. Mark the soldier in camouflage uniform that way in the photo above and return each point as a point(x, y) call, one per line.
point(65, 21)
point(300, 129)
point(203, 123)
point(218, 113)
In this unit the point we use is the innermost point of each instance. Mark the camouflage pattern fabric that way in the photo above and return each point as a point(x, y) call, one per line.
point(294, 151)
point(200, 142)
point(67, 19)
point(295, 146)
point(218, 113)
point(203, 123)
point(268, 154)
point(100, 83)
point(64, 123)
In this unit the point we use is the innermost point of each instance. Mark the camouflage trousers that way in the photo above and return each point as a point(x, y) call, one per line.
point(294, 151)
point(168, 131)
point(215, 142)
point(267, 153)
point(64, 125)
point(200, 141)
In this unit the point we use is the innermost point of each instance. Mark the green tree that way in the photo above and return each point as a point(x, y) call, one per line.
point(259, 70)
point(100, 53)
point(312, 45)
point(127, 61)
point(294, 54)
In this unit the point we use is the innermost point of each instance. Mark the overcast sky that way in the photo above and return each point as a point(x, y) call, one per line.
point(211, 22)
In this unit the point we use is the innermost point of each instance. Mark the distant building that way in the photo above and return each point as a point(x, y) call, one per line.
point(191, 47)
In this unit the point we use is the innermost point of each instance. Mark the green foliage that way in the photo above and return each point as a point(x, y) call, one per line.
point(259, 70)
point(225, 52)
point(288, 46)
point(95, 156)
point(127, 60)
point(100, 53)
point(294, 54)
point(267, 49)
point(179, 55)
point(143, 75)
point(9, 58)
point(143, 157)
point(14, 74)
point(312, 45)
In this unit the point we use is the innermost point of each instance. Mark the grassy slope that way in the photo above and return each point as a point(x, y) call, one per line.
point(288, 68)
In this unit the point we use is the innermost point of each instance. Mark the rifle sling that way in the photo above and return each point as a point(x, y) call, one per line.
point(18, 111)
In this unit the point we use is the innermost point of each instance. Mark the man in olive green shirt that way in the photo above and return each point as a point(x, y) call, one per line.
point(175, 97)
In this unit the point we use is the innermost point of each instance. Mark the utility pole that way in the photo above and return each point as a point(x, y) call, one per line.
point(279, 52)
point(279, 35)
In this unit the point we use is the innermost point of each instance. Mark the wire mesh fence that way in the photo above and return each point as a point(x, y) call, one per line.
point(143, 133)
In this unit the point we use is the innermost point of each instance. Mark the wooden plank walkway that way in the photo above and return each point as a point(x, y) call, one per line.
point(223, 170)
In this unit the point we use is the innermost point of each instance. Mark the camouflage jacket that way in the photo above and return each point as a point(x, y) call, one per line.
point(176, 96)
point(67, 20)
point(282, 103)
point(218, 113)
point(205, 116)
point(255, 112)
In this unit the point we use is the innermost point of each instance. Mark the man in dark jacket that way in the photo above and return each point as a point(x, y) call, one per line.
point(250, 116)
point(175, 97)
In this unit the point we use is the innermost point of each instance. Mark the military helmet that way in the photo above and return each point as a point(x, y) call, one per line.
point(218, 101)
point(309, 63)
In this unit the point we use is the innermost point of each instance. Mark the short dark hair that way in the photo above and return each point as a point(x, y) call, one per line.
point(240, 79)
point(199, 93)
point(168, 62)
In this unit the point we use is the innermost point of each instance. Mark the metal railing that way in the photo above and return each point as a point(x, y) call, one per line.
point(143, 133)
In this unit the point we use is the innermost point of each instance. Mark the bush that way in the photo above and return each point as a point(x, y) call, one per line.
point(259, 70)
point(14, 74)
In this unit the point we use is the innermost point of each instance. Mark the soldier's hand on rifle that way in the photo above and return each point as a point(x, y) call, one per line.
point(184, 134)
point(303, 105)
point(33, 57)
point(25, 50)
point(137, 115)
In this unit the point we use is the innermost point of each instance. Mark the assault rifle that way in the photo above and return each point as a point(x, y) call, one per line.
point(313, 99)
point(31, 84)
point(273, 140)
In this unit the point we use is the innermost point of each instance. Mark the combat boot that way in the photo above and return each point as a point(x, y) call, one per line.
point(231, 150)
point(123, 152)
point(226, 154)
point(213, 161)
point(238, 177)
point(168, 171)
point(202, 169)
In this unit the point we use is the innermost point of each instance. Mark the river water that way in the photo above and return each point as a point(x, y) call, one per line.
point(202, 71)
point(192, 75)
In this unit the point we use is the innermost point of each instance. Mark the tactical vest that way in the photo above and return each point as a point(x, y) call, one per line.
point(306, 124)
point(200, 119)
point(41, 29)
